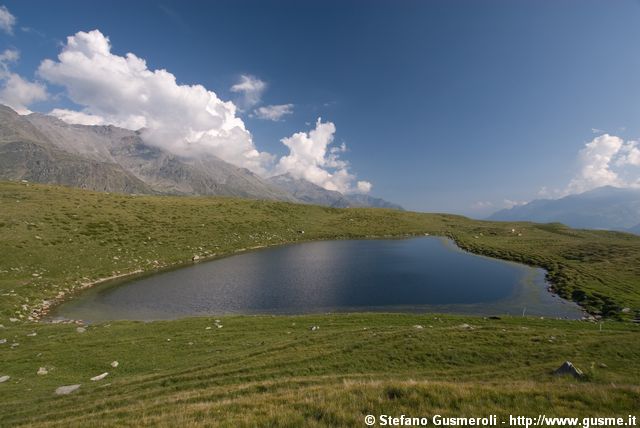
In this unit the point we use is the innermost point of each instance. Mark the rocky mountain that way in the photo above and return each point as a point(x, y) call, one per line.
point(308, 192)
point(28, 154)
point(44, 149)
point(361, 200)
point(606, 207)
point(313, 194)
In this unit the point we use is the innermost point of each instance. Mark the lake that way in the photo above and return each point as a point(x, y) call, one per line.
point(426, 274)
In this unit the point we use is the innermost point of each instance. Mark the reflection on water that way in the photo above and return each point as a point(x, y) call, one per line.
point(410, 275)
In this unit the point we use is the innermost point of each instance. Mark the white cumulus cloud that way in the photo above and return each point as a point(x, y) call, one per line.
point(508, 203)
point(123, 91)
point(363, 186)
point(251, 89)
point(77, 117)
point(15, 91)
point(311, 158)
point(595, 164)
point(273, 112)
point(7, 20)
point(607, 160)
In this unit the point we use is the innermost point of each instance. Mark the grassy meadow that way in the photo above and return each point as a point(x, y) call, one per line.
point(273, 370)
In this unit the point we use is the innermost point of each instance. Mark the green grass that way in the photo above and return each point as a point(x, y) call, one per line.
point(274, 371)
point(54, 240)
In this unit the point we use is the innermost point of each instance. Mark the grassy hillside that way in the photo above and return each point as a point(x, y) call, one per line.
point(276, 371)
point(54, 240)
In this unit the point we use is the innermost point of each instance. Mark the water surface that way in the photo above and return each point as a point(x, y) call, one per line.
point(410, 275)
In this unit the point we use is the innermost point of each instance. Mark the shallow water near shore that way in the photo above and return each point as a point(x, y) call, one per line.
point(426, 274)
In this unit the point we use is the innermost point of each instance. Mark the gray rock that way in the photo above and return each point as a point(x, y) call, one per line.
point(115, 364)
point(4, 378)
point(567, 368)
point(100, 376)
point(314, 328)
point(67, 389)
point(43, 371)
point(81, 329)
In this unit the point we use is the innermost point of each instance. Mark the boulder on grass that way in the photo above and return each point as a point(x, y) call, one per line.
point(567, 368)
point(67, 389)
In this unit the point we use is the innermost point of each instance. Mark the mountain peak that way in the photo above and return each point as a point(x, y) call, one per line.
point(606, 207)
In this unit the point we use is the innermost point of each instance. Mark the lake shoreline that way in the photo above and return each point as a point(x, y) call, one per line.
point(461, 307)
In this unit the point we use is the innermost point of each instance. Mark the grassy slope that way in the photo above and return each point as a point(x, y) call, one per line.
point(273, 370)
point(68, 237)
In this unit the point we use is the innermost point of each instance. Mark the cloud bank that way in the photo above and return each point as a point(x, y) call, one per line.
point(15, 91)
point(607, 160)
point(120, 90)
point(250, 88)
point(311, 158)
point(188, 120)
point(7, 20)
point(273, 112)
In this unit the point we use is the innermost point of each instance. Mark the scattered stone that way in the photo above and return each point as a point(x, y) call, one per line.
point(603, 366)
point(81, 329)
point(3, 341)
point(14, 319)
point(567, 368)
point(418, 327)
point(4, 378)
point(195, 258)
point(626, 310)
point(67, 389)
point(465, 326)
point(168, 340)
point(114, 364)
point(314, 328)
point(100, 376)
point(208, 328)
point(219, 325)
point(43, 371)
point(15, 345)
point(34, 334)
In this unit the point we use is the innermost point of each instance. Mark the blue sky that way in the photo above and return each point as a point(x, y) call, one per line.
point(450, 106)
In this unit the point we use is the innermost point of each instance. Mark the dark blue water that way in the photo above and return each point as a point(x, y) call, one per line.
point(410, 275)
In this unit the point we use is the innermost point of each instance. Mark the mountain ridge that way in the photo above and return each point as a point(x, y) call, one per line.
point(607, 207)
point(41, 148)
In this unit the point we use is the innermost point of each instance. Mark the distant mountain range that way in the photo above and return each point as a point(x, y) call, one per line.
point(314, 194)
point(44, 149)
point(609, 208)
